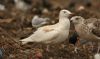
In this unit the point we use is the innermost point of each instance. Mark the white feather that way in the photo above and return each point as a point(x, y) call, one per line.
point(52, 33)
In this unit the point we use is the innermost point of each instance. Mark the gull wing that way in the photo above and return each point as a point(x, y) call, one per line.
point(96, 30)
point(94, 26)
point(42, 34)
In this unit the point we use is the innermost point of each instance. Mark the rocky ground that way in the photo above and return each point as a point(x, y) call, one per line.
point(16, 24)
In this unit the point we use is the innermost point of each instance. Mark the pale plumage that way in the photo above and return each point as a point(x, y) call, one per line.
point(52, 33)
point(39, 21)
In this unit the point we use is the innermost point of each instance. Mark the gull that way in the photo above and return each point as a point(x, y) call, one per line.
point(87, 29)
point(39, 21)
point(21, 5)
point(52, 33)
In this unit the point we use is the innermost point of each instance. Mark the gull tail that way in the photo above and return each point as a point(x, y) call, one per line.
point(26, 40)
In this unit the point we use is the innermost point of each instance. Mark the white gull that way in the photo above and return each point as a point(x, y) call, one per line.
point(52, 33)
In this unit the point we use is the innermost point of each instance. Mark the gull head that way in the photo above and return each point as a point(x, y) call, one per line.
point(77, 19)
point(64, 13)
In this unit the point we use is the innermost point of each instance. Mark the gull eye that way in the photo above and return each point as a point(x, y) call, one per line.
point(77, 18)
point(64, 11)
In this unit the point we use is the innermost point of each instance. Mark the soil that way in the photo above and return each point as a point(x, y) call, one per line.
point(16, 25)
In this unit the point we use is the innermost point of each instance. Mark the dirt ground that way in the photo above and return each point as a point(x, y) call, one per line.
point(16, 25)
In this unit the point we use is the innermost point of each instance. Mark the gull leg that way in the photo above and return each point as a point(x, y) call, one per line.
point(92, 46)
point(77, 44)
point(98, 47)
point(47, 48)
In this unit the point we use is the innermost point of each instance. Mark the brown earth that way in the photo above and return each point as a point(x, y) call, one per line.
point(15, 25)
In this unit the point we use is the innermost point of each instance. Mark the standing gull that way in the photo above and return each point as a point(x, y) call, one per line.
point(87, 29)
point(52, 33)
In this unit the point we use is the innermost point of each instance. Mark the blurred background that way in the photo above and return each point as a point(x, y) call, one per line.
point(15, 23)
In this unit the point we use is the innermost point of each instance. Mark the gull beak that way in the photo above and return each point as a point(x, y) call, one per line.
point(71, 15)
